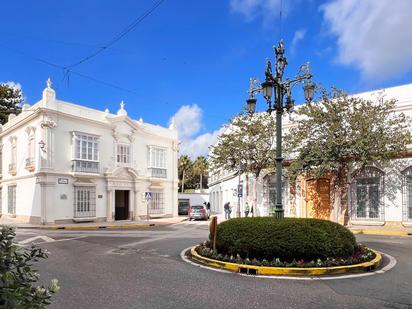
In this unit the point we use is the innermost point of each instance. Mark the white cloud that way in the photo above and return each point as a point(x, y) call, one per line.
point(297, 37)
point(199, 146)
point(374, 36)
point(266, 9)
point(188, 121)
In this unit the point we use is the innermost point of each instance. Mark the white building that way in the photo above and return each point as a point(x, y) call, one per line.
point(374, 195)
point(62, 162)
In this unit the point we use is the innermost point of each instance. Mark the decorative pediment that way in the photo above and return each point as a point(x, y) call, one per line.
point(124, 173)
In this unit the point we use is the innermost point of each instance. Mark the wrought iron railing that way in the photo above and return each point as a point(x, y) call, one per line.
point(158, 172)
point(80, 166)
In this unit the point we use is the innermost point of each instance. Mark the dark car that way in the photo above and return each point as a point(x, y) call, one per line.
point(198, 212)
point(183, 207)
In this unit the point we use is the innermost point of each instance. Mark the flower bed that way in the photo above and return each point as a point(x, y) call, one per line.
point(361, 254)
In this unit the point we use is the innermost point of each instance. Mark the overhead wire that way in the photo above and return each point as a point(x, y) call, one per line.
point(120, 35)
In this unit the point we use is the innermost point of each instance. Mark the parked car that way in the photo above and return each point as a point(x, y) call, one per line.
point(183, 207)
point(198, 212)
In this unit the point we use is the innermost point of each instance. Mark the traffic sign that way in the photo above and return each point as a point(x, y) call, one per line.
point(148, 195)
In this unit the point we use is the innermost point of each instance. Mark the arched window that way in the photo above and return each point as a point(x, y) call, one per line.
point(407, 194)
point(367, 190)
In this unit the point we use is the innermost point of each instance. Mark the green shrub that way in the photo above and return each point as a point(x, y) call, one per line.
point(17, 277)
point(286, 239)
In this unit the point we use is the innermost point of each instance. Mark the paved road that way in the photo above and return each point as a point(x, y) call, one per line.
point(143, 269)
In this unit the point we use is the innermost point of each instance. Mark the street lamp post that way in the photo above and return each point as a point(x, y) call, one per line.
point(274, 85)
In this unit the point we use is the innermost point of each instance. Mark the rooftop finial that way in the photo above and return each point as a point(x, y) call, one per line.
point(49, 83)
point(122, 111)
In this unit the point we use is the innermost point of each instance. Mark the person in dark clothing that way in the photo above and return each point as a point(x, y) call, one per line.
point(227, 210)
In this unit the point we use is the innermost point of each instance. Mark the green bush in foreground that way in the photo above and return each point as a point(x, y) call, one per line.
point(17, 276)
point(286, 239)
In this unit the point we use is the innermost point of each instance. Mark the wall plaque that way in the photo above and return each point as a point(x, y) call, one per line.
point(63, 181)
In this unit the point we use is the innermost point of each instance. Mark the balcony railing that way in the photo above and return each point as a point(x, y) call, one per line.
point(158, 172)
point(30, 164)
point(12, 168)
point(79, 166)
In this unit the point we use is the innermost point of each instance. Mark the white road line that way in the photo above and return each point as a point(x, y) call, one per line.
point(46, 239)
point(391, 264)
point(32, 239)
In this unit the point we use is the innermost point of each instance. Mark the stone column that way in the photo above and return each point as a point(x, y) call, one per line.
point(110, 205)
point(135, 207)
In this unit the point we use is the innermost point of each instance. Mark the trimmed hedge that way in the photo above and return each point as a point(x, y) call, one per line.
point(286, 239)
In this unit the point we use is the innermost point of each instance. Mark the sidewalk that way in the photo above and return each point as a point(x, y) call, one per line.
point(124, 224)
point(380, 230)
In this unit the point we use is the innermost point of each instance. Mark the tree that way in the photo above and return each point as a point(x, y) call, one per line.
point(10, 98)
point(200, 167)
point(246, 146)
point(17, 276)
point(185, 169)
point(342, 131)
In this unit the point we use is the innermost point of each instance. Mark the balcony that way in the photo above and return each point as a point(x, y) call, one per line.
point(12, 169)
point(80, 166)
point(30, 164)
point(157, 172)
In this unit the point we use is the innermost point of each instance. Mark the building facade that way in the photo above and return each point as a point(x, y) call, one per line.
point(62, 162)
point(374, 195)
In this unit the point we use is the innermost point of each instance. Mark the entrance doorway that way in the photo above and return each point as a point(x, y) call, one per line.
point(318, 198)
point(121, 204)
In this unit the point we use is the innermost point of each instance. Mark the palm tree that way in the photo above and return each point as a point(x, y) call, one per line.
point(200, 167)
point(185, 167)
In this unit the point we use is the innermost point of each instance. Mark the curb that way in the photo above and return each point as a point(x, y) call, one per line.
point(87, 227)
point(379, 232)
point(289, 271)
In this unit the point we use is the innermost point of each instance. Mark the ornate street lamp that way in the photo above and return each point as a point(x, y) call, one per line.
point(275, 87)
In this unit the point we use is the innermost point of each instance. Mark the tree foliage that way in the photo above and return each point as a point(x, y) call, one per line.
point(340, 129)
point(200, 168)
point(248, 144)
point(191, 174)
point(10, 99)
point(17, 276)
point(342, 132)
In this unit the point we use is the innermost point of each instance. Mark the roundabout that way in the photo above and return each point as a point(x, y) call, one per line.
point(379, 265)
point(291, 271)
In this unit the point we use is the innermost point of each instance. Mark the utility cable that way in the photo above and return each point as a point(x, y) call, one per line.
point(120, 35)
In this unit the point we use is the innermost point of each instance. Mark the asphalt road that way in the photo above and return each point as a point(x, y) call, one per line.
point(143, 269)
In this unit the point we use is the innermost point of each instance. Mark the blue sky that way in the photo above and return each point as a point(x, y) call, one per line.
point(195, 58)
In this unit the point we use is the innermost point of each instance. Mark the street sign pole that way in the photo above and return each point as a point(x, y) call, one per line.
point(148, 197)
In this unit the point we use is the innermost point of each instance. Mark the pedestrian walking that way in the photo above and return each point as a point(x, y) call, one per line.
point(208, 208)
point(227, 210)
point(247, 209)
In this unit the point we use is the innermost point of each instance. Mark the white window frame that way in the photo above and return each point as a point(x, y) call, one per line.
point(157, 157)
point(11, 199)
point(84, 201)
point(86, 147)
point(13, 150)
point(123, 154)
point(157, 203)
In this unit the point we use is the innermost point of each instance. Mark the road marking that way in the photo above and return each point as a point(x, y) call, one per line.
point(46, 239)
point(32, 239)
point(391, 264)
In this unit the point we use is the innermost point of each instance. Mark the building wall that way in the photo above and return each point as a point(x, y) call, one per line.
point(394, 195)
point(45, 191)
